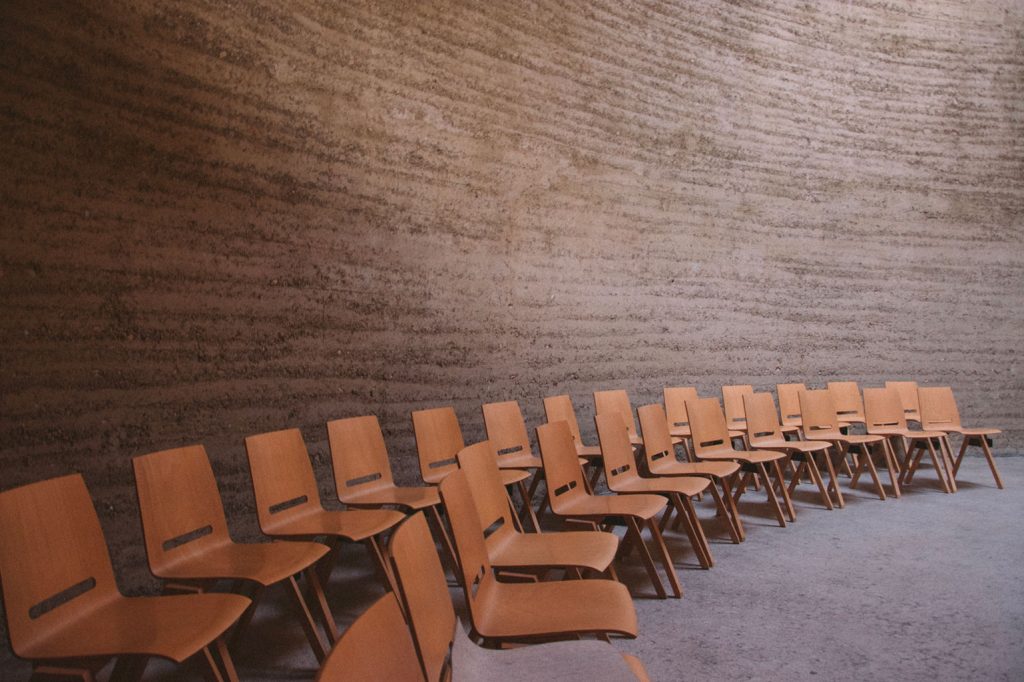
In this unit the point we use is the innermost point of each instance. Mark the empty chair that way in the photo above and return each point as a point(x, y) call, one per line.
point(820, 422)
point(659, 450)
point(907, 391)
point(789, 403)
point(848, 402)
point(432, 623)
point(618, 401)
point(765, 433)
point(511, 549)
point(506, 430)
point(188, 545)
point(559, 408)
point(712, 441)
point(939, 413)
point(884, 414)
point(288, 501)
point(621, 474)
point(675, 412)
point(64, 611)
point(732, 401)
point(569, 499)
point(362, 474)
point(528, 611)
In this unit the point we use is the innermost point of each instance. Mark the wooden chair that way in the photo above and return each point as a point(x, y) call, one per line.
point(618, 401)
point(432, 621)
point(939, 413)
point(765, 433)
point(659, 451)
point(569, 499)
point(623, 479)
point(288, 502)
point(64, 611)
point(439, 440)
point(675, 413)
point(884, 415)
point(712, 441)
point(821, 422)
point(528, 611)
point(189, 547)
point(362, 474)
point(559, 408)
point(511, 549)
point(735, 411)
point(377, 647)
point(789, 403)
point(907, 391)
point(848, 402)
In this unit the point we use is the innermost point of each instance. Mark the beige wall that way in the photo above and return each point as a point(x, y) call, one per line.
point(221, 220)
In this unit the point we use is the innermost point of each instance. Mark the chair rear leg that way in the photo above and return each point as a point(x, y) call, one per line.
point(316, 591)
point(788, 503)
point(694, 531)
point(991, 461)
point(946, 456)
point(666, 560)
point(380, 561)
point(731, 505)
point(307, 621)
point(833, 478)
point(812, 467)
point(723, 512)
point(772, 500)
point(890, 462)
point(938, 467)
point(645, 555)
point(870, 464)
point(796, 476)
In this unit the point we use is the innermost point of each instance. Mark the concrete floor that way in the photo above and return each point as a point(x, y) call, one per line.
point(928, 587)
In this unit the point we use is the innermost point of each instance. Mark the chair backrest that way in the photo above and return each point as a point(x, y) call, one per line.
point(480, 462)
point(707, 424)
point(616, 401)
point(616, 450)
point(789, 403)
point(559, 408)
point(438, 440)
point(732, 397)
point(849, 404)
point(282, 477)
point(54, 563)
point(883, 409)
point(424, 589)
point(762, 419)
point(181, 509)
point(506, 428)
point(676, 398)
point(359, 456)
point(938, 408)
point(658, 447)
point(561, 465)
point(907, 391)
point(477, 577)
point(818, 413)
point(377, 646)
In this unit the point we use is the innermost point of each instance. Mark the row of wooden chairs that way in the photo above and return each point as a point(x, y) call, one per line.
point(55, 617)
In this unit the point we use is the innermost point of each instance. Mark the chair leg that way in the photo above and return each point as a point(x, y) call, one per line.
point(890, 462)
point(723, 512)
point(763, 474)
point(666, 560)
point(833, 478)
point(448, 554)
point(129, 668)
point(316, 590)
point(225, 672)
point(946, 456)
point(645, 555)
point(938, 467)
point(742, 487)
point(731, 504)
point(921, 451)
point(308, 624)
point(694, 531)
point(812, 467)
point(870, 464)
point(528, 505)
point(788, 503)
point(960, 457)
point(254, 594)
point(796, 476)
point(991, 462)
point(383, 570)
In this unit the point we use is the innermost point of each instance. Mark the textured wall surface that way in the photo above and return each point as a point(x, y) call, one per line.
point(226, 218)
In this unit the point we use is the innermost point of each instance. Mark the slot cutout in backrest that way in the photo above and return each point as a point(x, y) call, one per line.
point(509, 451)
point(477, 579)
point(288, 504)
point(762, 434)
point(442, 463)
point(61, 598)
point(681, 424)
point(188, 537)
point(621, 470)
point(846, 411)
point(565, 488)
point(363, 479)
point(494, 528)
point(659, 455)
point(709, 443)
point(889, 424)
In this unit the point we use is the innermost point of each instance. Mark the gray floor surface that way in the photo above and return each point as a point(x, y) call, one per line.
point(927, 587)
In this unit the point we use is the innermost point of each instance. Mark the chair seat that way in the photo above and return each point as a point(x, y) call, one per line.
point(263, 563)
point(516, 611)
point(676, 468)
point(745, 456)
point(972, 432)
point(408, 497)
point(588, 451)
point(684, 485)
point(520, 461)
point(585, 549)
point(172, 627)
point(791, 445)
point(680, 432)
point(351, 524)
point(583, 661)
point(906, 433)
point(601, 506)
